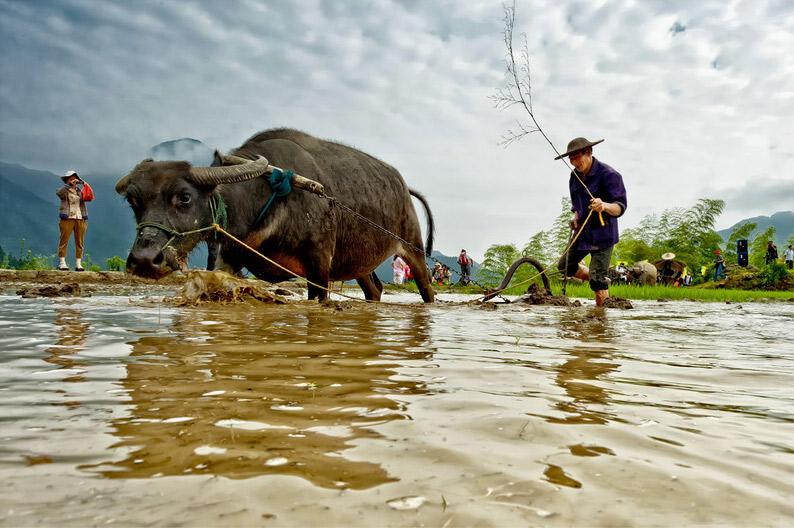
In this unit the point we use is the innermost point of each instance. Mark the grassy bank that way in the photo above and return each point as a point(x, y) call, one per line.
point(679, 294)
point(631, 292)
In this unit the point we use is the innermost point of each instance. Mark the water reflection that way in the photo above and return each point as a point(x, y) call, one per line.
point(589, 361)
point(239, 393)
point(71, 331)
point(586, 365)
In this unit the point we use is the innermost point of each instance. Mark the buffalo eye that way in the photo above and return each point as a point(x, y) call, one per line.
point(183, 198)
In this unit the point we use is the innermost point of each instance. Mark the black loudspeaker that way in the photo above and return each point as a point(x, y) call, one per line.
point(741, 252)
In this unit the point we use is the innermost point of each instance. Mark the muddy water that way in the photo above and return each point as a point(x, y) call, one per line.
point(117, 410)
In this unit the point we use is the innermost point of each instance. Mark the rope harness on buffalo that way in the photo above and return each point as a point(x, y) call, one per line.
point(219, 214)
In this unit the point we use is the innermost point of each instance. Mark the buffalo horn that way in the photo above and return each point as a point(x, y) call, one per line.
point(234, 174)
point(230, 159)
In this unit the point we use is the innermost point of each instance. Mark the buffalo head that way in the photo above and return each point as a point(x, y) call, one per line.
point(170, 198)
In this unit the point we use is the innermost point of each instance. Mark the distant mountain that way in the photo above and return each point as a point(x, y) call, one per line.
point(31, 222)
point(187, 149)
point(384, 271)
point(782, 221)
point(30, 210)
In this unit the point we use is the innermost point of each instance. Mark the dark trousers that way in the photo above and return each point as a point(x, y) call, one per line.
point(599, 265)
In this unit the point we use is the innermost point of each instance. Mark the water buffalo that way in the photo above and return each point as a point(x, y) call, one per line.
point(304, 232)
point(643, 273)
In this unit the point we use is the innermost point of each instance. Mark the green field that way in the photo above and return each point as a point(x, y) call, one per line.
point(694, 293)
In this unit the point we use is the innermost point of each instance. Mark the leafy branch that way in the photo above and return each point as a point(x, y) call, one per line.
point(518, 91)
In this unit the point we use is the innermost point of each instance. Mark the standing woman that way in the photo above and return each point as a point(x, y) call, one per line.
point(74, 218)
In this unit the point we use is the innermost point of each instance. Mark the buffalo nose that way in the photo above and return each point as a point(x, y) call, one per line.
point(146, 263)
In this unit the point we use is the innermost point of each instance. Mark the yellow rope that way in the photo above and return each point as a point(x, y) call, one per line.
point(273, 262)
point(221, 230)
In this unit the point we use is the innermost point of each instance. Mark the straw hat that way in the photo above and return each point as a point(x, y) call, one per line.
point(578, 144)
point(668, 256)
point(68, 174)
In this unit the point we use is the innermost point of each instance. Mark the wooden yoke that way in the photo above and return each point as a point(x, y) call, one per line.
point(298, 181)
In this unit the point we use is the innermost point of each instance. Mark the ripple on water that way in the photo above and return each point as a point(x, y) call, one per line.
point(519, 406)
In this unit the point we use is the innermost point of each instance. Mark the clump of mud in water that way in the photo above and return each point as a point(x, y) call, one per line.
point(221, 287)
point(339, 306)
point(536, 295)
point(618, 302)
point(71, 289)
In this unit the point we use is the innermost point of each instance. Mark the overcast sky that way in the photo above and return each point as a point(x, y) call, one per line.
point(694, 99)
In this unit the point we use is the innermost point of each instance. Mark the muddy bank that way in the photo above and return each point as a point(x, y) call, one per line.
point(36, 283)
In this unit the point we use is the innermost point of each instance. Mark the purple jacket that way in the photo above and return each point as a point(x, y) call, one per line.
point(605, 183)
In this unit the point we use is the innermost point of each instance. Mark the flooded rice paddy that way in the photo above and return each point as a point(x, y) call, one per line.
point(117, 410)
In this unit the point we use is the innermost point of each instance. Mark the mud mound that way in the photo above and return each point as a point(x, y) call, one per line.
point(71, 289)
point(220, 287)
point(538, 296)
point(619, 303)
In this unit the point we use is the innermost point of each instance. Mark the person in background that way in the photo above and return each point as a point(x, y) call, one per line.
point(409, 273)
point(398, 266)
point(447, 274)
point(771, 252)
point(438, 274)
point(719, 265)
point(622, 272)
point(73, 217)
point(789, 257)
point(465, 267)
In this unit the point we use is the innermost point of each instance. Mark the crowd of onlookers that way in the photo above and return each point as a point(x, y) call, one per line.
point(669, 271)
point(440, 274)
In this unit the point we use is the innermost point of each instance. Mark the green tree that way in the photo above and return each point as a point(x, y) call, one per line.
point(758, 247)
point(496, 261)
point(633, 247)
point(539, 248)
point(689, 233)
point(560, 233)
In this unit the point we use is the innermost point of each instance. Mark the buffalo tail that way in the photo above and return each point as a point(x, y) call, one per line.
point(431, 226)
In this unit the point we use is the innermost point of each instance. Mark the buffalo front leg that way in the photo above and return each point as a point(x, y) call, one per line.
point(421, 274)
point(371, 286)
point(213, 253)
point(320, 277)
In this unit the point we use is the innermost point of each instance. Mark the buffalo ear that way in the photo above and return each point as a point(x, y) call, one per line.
point(121, 185)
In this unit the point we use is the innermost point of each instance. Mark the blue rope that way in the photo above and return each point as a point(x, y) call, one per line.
point(280, 185)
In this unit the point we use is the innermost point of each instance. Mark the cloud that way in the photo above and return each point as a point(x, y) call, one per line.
point(758, 194)
point(95, 84)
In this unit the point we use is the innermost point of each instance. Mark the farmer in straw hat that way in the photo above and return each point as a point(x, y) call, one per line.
point(74, 217)
point(667, 273)
point(607, 199)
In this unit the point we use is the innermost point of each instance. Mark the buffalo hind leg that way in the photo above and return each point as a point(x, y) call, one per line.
point(421, 274)
point(371, 286)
